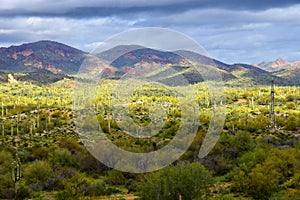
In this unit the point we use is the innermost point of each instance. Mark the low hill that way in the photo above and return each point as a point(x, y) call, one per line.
point(249, 75)
point(292, 75)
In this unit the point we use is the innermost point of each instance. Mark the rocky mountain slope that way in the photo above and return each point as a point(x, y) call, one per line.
point(52, 56)
point(48, 61)
point(277, 65)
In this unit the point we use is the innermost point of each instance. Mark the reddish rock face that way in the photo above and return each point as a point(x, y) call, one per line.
point(281, 61)
point(296, 63)
point(48, 55)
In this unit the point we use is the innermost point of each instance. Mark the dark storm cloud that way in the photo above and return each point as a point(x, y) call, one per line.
point(80, 9)
point(230, 30)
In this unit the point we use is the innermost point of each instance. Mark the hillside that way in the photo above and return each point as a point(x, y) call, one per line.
point(195, 57)
point(48, 55)
point(111, 54)
point(277, 65)
point(248, 75)
point(291, 74)
point(47, 62)
point(172, 68)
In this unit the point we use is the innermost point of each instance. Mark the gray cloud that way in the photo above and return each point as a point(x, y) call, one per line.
point(83, 34)
point(233, 30)
point(239, 35)
point(94, 8)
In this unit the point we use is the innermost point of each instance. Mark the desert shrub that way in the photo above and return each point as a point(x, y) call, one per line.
point(70, 144)
point(188, 180)
point(39, 175)
point(41, 153)
point(115, 177)
point(6, 160)
point(64, 157)
point(97, 189)
point(291, 105)
point(56, 114)
point(292, 122)
point(74, 188)
point(78, 187)
point(289, 194)
point(264, 171)
point(6, 187)
point(6, 182)
point(227, 150)
point(90, 164)
point(23, 192)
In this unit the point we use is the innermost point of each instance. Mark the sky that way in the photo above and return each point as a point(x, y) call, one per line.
point(233, 31)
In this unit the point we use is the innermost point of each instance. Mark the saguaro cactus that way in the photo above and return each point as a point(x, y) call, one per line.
point(2, 129)
point(2, 109)
point(11, 130)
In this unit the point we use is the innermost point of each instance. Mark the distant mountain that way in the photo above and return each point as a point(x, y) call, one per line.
point(112, 54)
point(48, 55)
point(170, 67)
point(277, 65)
point(167, 67)
point(147, 55)
point(47, 61)
point(288, 72)
point(197, 58)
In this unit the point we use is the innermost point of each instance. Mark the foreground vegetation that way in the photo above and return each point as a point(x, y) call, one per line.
point(250, 161)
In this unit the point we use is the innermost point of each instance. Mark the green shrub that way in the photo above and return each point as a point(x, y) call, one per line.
point(115, 177)
point(264, 171)
point(6, 187)
point(189, 180)
point(23, 192)
point(64, 158)
point(74, 188)
point(6, 181)
point(6, 160)
point(291, 105)
point(39, 175)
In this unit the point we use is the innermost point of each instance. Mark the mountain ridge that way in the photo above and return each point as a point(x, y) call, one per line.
point(276, 65)
point(53, 58)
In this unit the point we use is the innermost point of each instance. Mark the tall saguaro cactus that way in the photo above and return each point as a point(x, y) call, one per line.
point(11, 130)
point(30, 130)
point(2, 128)
point(2, 109)
point(17, 125)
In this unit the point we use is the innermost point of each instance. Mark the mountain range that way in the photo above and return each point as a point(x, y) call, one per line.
point(277, 65)
point(48, 61)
